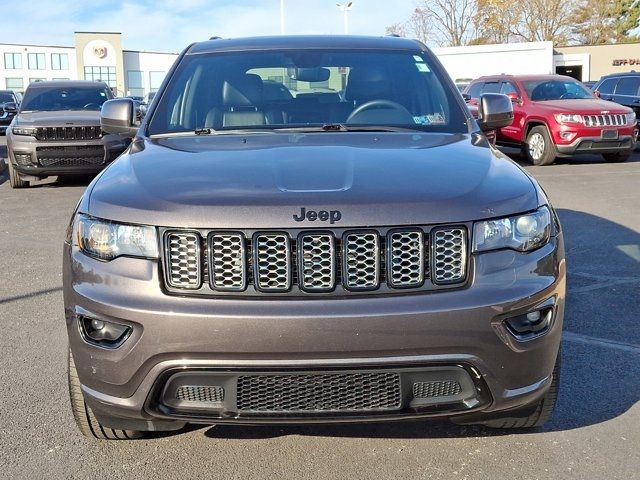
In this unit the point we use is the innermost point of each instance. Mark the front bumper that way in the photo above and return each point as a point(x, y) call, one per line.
point(65, 157)
point(224, 338)
point(598, 145)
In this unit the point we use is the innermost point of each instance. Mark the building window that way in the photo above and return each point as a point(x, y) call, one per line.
point(101, 74)
point(155, 80)
point(36, 61)
point(59, 61)
point(135, 86)
point(13, 61)
point(34, 80)
point(16, 84)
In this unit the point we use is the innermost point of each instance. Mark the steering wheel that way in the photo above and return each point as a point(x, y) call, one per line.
point(565, 95)
point(94, 106)
point(381, 104)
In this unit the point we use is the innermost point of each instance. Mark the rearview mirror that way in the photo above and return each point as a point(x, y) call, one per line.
point(119, 116)
point(10, 107)
point(495, 111)
point(315, 74)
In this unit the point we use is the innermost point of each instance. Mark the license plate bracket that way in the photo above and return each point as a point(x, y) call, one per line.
point(609, 134)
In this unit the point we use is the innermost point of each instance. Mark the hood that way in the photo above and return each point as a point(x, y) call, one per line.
point(59, 118)
point(264, 180)
point(589, 106)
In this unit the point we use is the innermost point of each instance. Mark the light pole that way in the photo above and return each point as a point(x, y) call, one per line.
point(345, 8)
point(281, 17)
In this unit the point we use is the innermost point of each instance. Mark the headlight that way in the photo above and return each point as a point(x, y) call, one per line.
point(30, 131)
point(631, 118)
point(568, 118)
point(521, 232)
point(108, 240)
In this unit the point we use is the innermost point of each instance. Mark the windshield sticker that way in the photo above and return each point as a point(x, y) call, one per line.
point(433, 119)
point(422, 67)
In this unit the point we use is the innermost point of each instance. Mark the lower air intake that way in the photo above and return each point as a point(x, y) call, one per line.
point(436, 389)
point(319, 393)
point(200, 394)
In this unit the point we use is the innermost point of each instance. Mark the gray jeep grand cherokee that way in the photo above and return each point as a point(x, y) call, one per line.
point(57, 132)
point(311, 229)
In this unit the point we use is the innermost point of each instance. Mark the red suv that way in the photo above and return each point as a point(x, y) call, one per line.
point(557, 116)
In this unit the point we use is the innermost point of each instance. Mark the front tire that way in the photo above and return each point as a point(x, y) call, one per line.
point(86, 421)
point(616, 157)
point(539, 148)
point(535, 415)
point(14, 179)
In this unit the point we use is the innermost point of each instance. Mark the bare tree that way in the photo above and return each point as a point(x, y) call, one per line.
point(495, 20)
point(543, 20)
point(444, 22)
point(399, 29)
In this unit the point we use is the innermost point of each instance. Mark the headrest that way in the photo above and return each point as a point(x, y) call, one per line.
point(243, 90)
point(367, 83)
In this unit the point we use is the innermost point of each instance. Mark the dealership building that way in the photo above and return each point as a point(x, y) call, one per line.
point(94, 56)
point(584, 62)
point(100, 56)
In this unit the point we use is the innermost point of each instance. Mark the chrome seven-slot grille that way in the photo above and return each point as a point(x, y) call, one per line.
point(314, 261)
point(604, 120)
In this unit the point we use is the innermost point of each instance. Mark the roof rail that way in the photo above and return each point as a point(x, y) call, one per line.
point(215, 38)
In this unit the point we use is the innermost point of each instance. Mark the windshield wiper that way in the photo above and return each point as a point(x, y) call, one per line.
point(341, 127)
point(203, 131)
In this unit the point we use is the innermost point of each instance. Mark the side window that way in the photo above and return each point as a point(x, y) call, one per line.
point(628, 86)
point(607, 86)
point(491, 87)
point(474, 90)
point(508, 87)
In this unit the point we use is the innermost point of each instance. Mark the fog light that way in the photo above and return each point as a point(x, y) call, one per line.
point(103, 333)
point(567, 135)
point(529, 325)
point(23, 158)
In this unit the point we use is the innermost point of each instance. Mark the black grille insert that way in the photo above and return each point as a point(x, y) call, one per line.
point(436, 389)
point(92, 132)
point(200, 393)
point(314, 393)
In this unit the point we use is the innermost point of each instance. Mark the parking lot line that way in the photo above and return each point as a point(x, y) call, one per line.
point(601, 342)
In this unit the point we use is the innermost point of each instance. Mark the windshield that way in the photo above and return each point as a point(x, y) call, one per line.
point(64, 98)
point(300, 89)
point(6, 97)
point(540, 90)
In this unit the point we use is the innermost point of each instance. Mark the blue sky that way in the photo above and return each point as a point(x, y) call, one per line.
point(169, 25)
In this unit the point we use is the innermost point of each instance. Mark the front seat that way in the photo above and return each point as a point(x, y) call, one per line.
point(241, 97)
point(368, 83)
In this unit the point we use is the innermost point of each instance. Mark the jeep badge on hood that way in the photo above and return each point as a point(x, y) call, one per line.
point(332, 215)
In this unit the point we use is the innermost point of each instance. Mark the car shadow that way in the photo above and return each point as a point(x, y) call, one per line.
point(601, 345)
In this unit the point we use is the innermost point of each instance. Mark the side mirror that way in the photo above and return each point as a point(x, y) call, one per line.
point(119, 116)
point(495, 111)
point(596, 93)
point(514, 98)
point(11, 107)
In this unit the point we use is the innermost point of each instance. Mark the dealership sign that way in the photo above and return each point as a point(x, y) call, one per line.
point(626, 61)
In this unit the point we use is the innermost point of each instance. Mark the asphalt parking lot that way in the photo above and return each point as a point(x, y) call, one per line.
point(595, 432)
